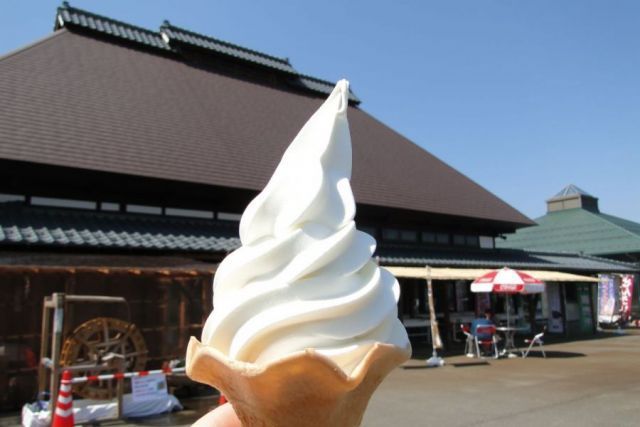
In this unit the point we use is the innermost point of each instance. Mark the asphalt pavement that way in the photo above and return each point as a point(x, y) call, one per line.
point(581, 383)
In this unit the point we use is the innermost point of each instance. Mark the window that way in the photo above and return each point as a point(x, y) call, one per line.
point(428, 237)
point(390, 234)
point(487, 242)
point(442, 238)
point(11, 198)
point(190, 213)
point(106, 206)
point(409, 236)
point(459, 239)
point(472, 240)
point(226, 216)
point(143, 209)
point(63, 203)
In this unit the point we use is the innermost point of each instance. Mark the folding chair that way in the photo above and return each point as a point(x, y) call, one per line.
point(537, 339)
point(469, 350)
point(492, 342)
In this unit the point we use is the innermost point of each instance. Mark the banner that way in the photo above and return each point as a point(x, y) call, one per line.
point(626, 295)
point(607, 299)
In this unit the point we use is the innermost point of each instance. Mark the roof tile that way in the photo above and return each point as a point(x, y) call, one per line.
point(81, 102)
point(59, 227)
point(498, 258)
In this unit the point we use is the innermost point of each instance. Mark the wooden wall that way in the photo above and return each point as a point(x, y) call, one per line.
point(168, 309)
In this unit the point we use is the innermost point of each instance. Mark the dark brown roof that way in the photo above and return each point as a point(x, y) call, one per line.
point(78, 101)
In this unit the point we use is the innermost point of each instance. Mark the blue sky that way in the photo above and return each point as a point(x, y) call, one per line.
point(523, 97)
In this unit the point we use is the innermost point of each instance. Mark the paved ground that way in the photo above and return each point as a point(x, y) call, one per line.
point(585, 383)
point(582, 383)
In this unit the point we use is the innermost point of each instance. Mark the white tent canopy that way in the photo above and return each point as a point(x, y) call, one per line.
point(473, 273)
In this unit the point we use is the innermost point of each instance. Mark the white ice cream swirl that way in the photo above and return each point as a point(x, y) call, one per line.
point(304, 276)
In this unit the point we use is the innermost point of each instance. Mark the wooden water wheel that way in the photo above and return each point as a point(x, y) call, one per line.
point(103, 341)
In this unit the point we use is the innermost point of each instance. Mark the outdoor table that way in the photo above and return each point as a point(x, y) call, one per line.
point(509, 342)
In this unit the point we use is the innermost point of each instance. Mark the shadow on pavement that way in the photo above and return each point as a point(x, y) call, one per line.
point(556, 354)
point(468, 364)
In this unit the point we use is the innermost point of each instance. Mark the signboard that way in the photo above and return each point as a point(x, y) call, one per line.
point(149, 387)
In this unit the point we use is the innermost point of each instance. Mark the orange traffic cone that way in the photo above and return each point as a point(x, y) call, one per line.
point(63, 415)
point(222, 400)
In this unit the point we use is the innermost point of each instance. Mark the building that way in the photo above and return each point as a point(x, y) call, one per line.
point(574, 223)
point(127, 156)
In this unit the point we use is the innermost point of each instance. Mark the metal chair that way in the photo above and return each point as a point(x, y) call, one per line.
point(537, 339)
point(469, 349)
point(492, 342)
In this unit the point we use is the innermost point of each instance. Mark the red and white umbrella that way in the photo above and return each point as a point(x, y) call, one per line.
point(507, 281)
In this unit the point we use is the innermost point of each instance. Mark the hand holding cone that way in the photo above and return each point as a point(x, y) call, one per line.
point(302, 389)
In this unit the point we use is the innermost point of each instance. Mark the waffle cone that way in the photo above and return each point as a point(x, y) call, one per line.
point(302, 389)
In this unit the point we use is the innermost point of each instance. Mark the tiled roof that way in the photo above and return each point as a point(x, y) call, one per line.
point(56, 228)
point(86, 103)
point(169, 35)
point(50, 227)
point(578, 230)
point(321, 86)
point(70, 16)
point(488, 258)
point(172, 34)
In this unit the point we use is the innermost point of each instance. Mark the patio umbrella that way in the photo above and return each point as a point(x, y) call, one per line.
point(507, 281)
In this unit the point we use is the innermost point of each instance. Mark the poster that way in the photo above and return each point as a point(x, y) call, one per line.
point(626, 293)
point(607, 299)
point(148, 387)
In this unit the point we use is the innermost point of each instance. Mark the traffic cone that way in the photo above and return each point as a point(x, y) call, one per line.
point(222, 400)
point(63, 415)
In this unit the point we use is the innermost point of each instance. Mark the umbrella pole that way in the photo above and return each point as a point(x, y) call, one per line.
point(506, 297)
point(509, 343)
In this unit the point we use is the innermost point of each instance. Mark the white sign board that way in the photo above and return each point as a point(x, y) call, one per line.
point(149, 387)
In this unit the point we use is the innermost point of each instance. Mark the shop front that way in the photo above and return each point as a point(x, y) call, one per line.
point(567, 307)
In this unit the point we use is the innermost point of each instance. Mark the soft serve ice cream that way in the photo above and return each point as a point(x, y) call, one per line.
point(304, 276)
